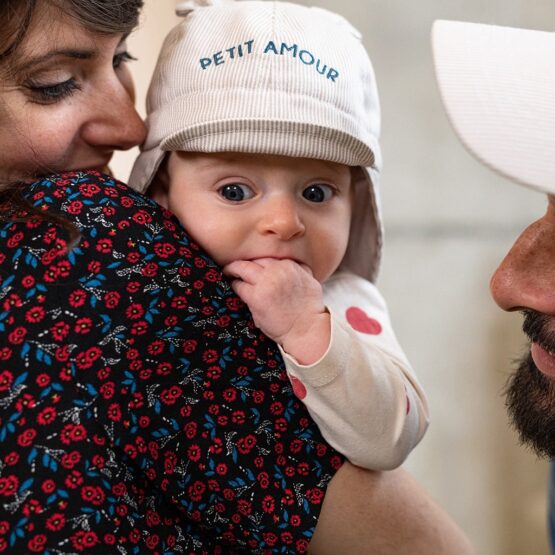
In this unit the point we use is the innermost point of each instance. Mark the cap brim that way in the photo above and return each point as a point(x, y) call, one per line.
point(498, 87)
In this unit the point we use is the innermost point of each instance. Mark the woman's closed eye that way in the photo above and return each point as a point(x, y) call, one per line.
point(236, 192)
point(318, 192)
point(49, 93)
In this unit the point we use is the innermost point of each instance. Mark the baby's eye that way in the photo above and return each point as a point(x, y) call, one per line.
point(318, 192)
point(236, 192)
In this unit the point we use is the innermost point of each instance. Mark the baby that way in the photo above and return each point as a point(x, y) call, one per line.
point(263, 123)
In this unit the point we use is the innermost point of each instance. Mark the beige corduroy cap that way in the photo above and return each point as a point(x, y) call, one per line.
point(498, 86)
point(276, 78)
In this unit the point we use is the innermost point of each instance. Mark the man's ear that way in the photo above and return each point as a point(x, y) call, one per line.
point(159, 187)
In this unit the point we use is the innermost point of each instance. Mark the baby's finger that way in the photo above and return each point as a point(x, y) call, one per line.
point(243, 269)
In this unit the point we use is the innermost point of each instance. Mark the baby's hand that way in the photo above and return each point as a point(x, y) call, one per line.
point(286, 303)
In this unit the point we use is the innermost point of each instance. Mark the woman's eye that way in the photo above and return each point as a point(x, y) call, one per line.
point(51, 93)
point(318, 192)
point(236, 192)
point(121, 58)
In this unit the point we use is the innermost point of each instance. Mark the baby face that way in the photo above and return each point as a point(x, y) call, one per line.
point(246, 207)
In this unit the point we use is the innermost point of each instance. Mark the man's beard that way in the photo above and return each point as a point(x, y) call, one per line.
point(531, 394)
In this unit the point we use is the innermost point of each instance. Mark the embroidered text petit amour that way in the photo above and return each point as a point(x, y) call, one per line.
point(280, 49)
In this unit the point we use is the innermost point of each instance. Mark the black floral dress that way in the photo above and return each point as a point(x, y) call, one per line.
point(140, 409)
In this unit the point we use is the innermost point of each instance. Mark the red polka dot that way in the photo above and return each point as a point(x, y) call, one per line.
point(299, 388)
point(360, 321)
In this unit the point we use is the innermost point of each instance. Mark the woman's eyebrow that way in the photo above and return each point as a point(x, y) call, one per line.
point(76, 54)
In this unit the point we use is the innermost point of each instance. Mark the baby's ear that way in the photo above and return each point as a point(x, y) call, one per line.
point(159, 186)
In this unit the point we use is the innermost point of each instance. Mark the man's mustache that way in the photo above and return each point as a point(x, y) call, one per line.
point(540, 329)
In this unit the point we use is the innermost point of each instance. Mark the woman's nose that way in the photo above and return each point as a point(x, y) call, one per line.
point(114, 123)
point(525, 279)
point(280, 217)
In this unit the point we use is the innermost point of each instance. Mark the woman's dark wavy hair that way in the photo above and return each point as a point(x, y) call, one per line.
point(99, 16)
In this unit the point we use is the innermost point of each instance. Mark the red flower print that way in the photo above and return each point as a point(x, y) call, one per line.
point(11, 458)
point(139, 328)
point(77, 298)
point(59, 331)
point(104, 245)
point(258, 397)
point(36, 543)
point(6, 380)
point(27, 437)
point(142, 217)
point(179, 302)
point(221, 469)
point(196, 491)
point(134, 311)
point(303, 469)
point(315, 495)
point(82, 541)
point(249, 353)
point(164, 250)
point(85, 359)
point(83, 325)
point(170, 395)
point(17, 336)
point(263, 480)
point(92, 494)
point(15, 239)
point(5, 353)
point(288, 498)
point(246, 444)
point(32, 507)
point(89, 189)
point(210, 356)
point(8, 485)
point(189, 346)
point(114, 412)
point(111, 299)
point(213, 275)
point(48, 486)
point(13, 301)
point(295, 520)
point(72, 433)
point(156, 348)
point(230, 395)
point(35, 314)
point(69, 460)
point(46, 416)
point(234, 303)
point(270, 538)
point(193, 453)
point(28, 282)
point(94, 266)
point(107, 390)
point(244, 507)
point(268, 504)
point(56, 522)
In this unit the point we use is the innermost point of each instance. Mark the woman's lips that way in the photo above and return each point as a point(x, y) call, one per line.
point(543, 359)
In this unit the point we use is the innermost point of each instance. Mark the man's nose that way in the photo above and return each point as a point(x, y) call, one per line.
point(114, 123)
point(280, 217)
point(525, 279)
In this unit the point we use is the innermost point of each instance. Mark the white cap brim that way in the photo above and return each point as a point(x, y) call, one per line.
point(498, 87)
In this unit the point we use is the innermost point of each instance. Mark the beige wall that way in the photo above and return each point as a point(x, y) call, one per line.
point(448, 223)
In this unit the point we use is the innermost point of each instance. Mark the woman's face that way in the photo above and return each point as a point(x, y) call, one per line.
point(66, 99)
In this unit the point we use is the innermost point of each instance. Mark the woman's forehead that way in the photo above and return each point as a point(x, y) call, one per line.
point(54, 32)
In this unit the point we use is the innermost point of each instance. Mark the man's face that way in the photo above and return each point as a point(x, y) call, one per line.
point(525, 281)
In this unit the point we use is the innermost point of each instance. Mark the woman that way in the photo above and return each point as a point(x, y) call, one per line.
point(140, 410)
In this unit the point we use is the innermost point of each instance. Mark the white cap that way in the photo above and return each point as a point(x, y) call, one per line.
point(498, 86)
point(270, 78)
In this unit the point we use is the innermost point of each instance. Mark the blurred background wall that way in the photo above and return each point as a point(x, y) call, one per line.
point(448, 223)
